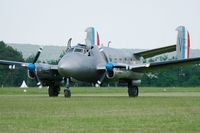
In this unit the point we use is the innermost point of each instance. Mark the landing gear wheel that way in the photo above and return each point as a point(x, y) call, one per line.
point(54, 90)
point(133, 91)
point(67, 93)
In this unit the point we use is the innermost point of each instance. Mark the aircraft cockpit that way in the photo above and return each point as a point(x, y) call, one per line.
point(78, 49)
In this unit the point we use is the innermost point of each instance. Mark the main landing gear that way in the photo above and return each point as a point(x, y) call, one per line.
point(67, 91)
point(132, 90)
point(54, 90)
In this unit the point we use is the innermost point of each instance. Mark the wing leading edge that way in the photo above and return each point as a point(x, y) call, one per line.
point(23, 64)
point(148, 67)
point(18, 64)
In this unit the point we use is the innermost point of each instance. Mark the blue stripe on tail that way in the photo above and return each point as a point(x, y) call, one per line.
point(183, 43)
point(93, 37)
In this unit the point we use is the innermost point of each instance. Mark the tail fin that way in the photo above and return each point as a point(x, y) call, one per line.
point(183, 43)
point(90, 37)
point(91, 40)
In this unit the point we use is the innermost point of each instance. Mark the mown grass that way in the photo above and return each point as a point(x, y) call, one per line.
point(32, 112)
point(92, 90)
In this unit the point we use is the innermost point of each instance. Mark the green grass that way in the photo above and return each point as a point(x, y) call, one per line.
point(32, 112)
point(92, 90)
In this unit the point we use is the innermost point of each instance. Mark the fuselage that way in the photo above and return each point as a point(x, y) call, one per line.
point(82, 64)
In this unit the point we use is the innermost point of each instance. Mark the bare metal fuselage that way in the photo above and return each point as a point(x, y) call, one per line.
point(83, 66)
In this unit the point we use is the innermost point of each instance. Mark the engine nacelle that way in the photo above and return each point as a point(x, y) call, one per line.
point(45, 74)
point(120, 73)
point(31, 74)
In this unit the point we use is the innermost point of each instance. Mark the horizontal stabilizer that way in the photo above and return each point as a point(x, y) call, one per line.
point(154, 52)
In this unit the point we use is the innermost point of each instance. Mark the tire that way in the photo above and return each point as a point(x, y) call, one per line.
point(133, 91)
point(54, 90)
point(67, 93)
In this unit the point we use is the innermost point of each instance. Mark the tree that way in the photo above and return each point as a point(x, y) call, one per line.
point(10, 77)
point(177, 76)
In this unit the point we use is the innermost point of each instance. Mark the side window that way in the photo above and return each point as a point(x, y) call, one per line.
point(125, 60)
point(115, 60)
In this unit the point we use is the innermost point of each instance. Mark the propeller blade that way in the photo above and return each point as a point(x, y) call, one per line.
point(99, 82)
point(37, 79)
point(37, 55)
point(104, 54)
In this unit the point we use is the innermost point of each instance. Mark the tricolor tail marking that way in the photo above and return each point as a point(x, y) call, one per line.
point(183, 43)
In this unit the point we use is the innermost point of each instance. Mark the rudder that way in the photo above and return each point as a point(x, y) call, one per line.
point(183, 43)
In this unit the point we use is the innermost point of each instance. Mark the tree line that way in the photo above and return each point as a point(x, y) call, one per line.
point(170, 77)
point(188, 75)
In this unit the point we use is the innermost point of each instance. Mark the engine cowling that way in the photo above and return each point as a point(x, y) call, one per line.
point(31, 74)
point(45, 74)
point(122, 73)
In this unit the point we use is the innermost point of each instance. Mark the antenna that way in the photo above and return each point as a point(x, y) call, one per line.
point(109, 43)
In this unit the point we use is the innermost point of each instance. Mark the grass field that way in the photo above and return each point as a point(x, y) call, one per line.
point(34, 111)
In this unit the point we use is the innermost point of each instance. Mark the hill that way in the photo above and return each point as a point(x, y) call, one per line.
point(49, 52)
point(53, 52)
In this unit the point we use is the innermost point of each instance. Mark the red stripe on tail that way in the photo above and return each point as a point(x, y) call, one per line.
point(188, 47)
point(98, 39)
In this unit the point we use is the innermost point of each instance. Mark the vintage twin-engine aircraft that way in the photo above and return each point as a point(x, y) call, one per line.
point(93, 63)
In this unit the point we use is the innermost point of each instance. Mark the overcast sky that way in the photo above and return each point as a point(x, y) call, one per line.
point(142, 24)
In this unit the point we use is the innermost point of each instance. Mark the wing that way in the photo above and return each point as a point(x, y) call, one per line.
point(148, 67)
point(13, 63)
point(154, 52)
point(24, 64)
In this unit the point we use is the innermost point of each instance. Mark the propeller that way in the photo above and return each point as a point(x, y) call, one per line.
point(32, 67)
point(109, 67)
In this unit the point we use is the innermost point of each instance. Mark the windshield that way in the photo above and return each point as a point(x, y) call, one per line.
point(78, 50)
point(70, 50)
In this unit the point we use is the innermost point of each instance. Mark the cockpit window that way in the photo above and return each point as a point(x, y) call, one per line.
point(70, 50)
point(78, 50)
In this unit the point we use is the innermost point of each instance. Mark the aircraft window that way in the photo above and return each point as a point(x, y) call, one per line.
point(70, 50)
point(125, 60)
point(78, 50)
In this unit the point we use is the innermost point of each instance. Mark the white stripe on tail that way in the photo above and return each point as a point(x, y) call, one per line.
point(92, 38)
point(183, 43)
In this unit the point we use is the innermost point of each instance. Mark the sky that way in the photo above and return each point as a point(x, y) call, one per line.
point(143, 24)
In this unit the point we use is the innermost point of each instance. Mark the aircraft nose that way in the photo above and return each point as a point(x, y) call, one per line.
point(67, 66)
point(63, 68)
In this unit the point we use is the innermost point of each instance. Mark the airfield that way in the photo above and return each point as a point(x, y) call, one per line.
point(100, 110)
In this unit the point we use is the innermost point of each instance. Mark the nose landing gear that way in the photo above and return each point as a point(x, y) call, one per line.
point(67, 91)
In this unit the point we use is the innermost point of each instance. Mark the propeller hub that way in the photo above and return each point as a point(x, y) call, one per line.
point(31, 67)
point(109, 67)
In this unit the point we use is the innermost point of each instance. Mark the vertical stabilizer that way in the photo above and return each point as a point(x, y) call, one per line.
point(90, 37)
point(98, 39)
point(183, 43)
